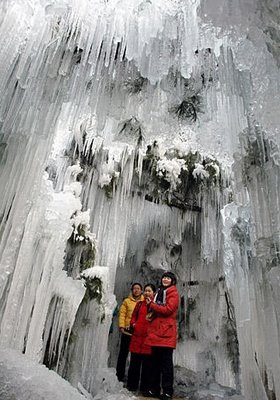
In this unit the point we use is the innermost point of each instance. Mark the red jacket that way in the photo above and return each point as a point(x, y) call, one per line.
point(162, 330)
point(138, 320)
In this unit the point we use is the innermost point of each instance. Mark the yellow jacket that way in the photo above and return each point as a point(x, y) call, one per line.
point(126, 310)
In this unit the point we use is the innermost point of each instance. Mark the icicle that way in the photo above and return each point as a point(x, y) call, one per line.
point(140, 157)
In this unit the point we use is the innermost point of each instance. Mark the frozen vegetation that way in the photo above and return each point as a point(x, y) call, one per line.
point(138, 136)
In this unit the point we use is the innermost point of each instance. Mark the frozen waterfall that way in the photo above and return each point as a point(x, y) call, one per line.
point(138, 136)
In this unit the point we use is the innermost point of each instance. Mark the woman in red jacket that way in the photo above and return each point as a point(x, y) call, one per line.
point(140, 353)
point(162, 336)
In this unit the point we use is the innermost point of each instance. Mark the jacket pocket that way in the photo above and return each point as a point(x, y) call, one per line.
point(166, 330)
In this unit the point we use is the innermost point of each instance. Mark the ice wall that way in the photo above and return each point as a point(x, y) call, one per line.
point(138, 136)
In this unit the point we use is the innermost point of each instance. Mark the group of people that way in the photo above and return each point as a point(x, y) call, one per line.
point(147, 322)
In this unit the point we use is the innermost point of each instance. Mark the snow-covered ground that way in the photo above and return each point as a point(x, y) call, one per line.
point(24, 379)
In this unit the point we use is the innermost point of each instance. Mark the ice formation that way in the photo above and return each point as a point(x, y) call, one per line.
point(138, 136)
point(22, 378)
point(31, 381)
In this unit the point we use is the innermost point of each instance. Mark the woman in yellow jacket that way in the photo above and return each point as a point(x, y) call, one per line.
point(125, 314)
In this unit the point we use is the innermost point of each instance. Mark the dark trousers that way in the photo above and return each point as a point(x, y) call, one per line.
point(140, 369)
point(163, 371)
point(125, 341)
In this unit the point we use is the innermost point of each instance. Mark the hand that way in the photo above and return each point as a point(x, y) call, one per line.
point(150, 316)
point(148, 300)
point(128, 330)
point(127, 333)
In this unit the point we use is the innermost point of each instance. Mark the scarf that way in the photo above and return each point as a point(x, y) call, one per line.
point(160, 297)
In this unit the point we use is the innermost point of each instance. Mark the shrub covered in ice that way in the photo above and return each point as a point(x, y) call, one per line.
point(180, 162)
point(107, 181)
point(104, 179)
point(96, 279)
point(207, 170)
point(178, 175)
point(81, 227)
point(170, 170)
point(200, 172)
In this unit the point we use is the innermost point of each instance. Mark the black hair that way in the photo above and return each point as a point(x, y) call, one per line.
point(151, 286)
point(136, 283)
point(170, 275)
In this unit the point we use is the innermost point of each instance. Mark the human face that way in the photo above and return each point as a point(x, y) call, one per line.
point(166, 281)
point(136, 291)
point(148, 292)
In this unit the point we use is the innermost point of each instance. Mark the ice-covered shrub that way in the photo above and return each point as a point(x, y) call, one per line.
point(81, 227)
point(170, 170)
point(177, 175)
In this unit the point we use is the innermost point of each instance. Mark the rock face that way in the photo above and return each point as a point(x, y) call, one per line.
point(136, 137)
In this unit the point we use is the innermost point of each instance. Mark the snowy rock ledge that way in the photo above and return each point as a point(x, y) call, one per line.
point(23, 379)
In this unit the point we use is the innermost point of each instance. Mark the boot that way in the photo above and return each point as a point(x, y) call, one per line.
point(165, 396)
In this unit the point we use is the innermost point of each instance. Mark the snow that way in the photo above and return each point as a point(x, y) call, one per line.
point(23, 379)
point(171, 170)
point(81, 220)
point(200, 172)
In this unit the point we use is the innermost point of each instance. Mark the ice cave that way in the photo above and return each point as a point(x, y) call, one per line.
point(138, 136)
